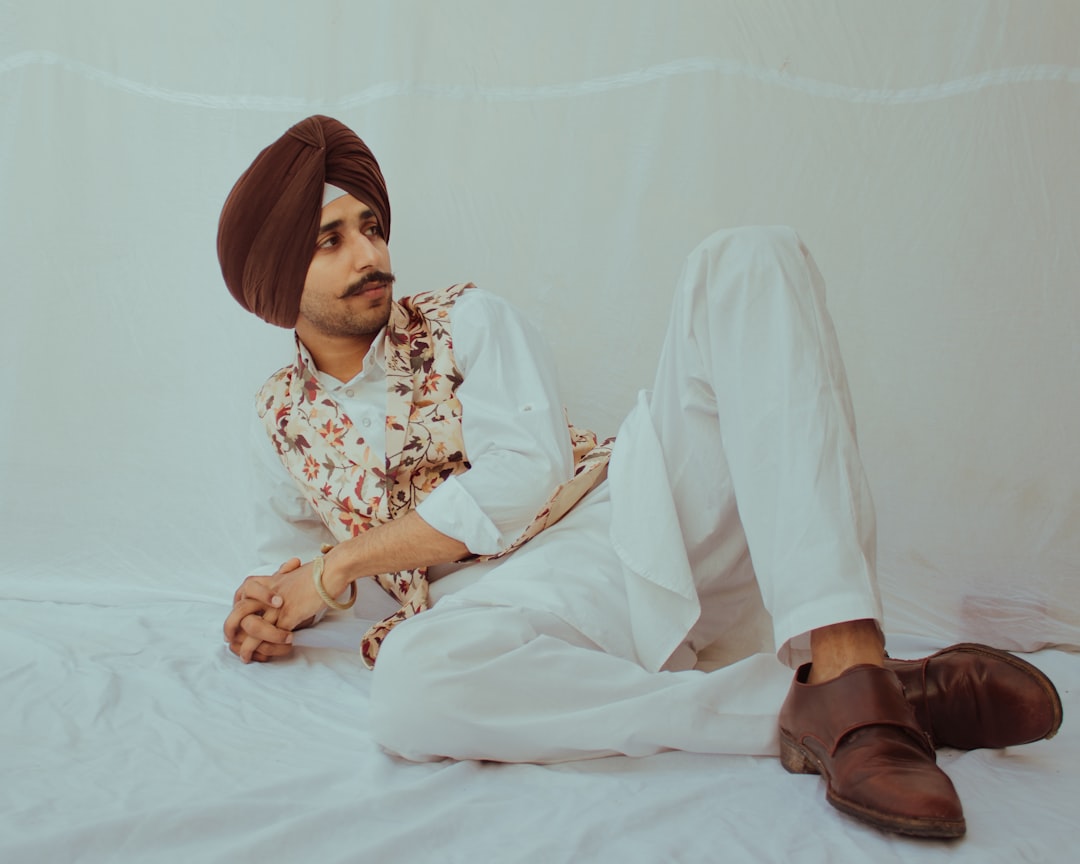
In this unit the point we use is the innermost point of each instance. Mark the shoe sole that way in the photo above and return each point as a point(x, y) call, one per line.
point(796, 759)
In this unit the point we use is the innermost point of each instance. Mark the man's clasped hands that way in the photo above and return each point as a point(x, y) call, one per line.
point(267, 609)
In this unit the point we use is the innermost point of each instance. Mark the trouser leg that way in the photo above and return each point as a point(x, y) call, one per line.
point(535, 662)
point(752, 362)
point(520, 685)
point(750, 391)
point(752, 410)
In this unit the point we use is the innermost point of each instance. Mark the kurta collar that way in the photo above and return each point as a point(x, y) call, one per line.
point(375, 358)
point(392, 352)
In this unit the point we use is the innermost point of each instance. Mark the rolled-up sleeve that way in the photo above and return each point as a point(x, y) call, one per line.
point(515, 431)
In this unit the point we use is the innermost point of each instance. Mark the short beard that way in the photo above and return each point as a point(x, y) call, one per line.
point(337, 322)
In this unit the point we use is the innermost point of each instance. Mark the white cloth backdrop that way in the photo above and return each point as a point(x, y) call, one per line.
point(566, 154)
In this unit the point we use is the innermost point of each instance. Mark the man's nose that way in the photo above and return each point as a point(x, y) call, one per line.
point(363, 252)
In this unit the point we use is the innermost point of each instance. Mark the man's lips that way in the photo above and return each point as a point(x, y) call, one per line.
point(370, 288)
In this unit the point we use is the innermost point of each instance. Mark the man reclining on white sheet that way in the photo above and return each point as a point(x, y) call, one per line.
point(422, 436)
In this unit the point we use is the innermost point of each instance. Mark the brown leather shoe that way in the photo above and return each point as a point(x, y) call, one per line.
point(859, 732)
point(969, 696)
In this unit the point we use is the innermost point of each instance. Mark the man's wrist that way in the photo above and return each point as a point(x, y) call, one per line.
point(336, 573)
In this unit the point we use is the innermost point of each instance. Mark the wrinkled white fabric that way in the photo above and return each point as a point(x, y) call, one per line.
point(751, 417)
point(738, 482)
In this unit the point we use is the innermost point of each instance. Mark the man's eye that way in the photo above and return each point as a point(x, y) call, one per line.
point(373, 231)
point(327, 242)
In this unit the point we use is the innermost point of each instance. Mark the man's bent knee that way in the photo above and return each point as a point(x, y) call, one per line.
point(739, 264)
point(748, 240)
point(401, 705)
point(430, 674)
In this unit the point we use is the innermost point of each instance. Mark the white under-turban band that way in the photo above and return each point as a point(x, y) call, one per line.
point(331, 193)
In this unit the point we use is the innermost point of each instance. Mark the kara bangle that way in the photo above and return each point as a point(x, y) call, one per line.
point(316, 577)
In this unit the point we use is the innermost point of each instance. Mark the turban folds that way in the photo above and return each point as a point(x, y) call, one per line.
point(270, 221)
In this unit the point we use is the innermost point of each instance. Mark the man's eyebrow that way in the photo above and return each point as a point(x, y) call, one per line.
point(365, 215)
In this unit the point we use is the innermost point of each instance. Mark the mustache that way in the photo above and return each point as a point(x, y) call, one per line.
point(374, 276)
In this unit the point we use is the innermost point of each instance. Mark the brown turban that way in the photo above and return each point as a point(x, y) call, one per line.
point(268, 226)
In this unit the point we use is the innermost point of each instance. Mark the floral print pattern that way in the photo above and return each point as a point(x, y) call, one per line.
point(354, 489)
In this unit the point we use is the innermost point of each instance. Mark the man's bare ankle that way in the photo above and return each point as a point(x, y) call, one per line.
point(838, 647)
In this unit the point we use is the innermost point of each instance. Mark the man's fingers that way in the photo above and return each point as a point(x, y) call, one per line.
point(258, 587)
point(249, 628)
point(262, 629)
point(269, 650)
point(261, 654)
point(239, 612)
point(248, 648)
point(235, 648)
point(254, 588)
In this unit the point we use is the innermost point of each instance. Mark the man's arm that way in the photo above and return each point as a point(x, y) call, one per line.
point(260, 627)
point(513, 423)
point(519, 450)
point(284, 526)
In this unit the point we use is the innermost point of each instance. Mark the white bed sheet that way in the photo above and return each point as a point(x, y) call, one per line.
point(131, 735)
point(561, 154)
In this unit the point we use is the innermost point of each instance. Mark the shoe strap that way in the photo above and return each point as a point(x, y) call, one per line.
point(868, 696)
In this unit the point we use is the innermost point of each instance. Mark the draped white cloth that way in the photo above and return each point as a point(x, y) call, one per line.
point(566, 155)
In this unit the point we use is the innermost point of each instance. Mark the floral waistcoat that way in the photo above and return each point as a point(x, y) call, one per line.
point(353, 489)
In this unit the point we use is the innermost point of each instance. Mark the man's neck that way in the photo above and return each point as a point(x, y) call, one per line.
point(338, 356)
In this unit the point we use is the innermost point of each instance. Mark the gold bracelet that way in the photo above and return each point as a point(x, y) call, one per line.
point(316, 577)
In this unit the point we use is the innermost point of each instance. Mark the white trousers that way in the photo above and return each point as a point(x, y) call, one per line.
point(536, 661)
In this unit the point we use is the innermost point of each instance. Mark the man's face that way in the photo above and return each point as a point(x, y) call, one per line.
point(347, 291)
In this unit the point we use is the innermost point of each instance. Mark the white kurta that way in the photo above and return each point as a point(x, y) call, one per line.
point(735, 488)
point(513, 424)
